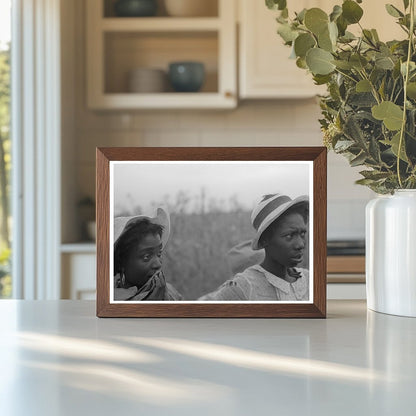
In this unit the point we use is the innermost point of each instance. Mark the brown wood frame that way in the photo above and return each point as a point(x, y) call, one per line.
point(317, 309)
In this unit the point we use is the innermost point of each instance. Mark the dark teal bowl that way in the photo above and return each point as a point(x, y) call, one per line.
point(135, 8)
point(186, 76)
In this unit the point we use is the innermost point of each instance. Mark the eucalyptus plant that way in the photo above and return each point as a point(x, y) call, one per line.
point(369, 111)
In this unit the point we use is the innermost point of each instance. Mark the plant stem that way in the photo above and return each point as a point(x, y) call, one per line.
point(346, 75)
point(406, 80)
point(373, 88)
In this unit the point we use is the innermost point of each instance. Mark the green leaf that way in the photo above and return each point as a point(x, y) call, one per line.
point(411, 90)
point(344, 65)
point(375, 35)
point(347, 38)
point(358, 61)
point(276, 4)
point(368, 36)
point(362, 99)
point(363, 86)
point(342, 25)
point(394, 143)
point(303, 43)
point(384, 62)
point(343, 145)
point(412, 67)
point(391, 114)
point(351, 11)
point(301, 63)
point(301, 15)
point(333, 32)
point(393, 11)
point(358, 160)
point(353, 130)
point(321, 79)
point(287, 33)
point(382, 89)
point(374, 150)
point(374, 174)
point(325, 42)
point(336, 12)
point(316, 20)
point(406, 4)
point(319, 61)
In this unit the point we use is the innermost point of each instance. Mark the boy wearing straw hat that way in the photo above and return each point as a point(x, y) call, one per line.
point(138, 245)
point(281, 228)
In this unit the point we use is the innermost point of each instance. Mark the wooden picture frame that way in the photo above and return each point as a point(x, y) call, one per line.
point(110, 160)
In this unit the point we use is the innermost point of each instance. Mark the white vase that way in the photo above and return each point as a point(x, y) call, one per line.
point(391, 253)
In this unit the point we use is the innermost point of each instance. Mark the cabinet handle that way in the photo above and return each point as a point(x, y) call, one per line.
point(229, 94)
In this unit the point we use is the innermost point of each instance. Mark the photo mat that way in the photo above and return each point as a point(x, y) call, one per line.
point(210, 206)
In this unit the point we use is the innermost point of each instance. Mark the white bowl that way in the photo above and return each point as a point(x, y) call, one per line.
point(147, 80)
point(191, 8)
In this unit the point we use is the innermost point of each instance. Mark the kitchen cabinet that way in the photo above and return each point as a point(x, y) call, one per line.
point(78, 264)
point(118, 45)
point(265, 69)
point(346, 277)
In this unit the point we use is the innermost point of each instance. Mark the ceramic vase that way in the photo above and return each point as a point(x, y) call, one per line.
point(391, 253)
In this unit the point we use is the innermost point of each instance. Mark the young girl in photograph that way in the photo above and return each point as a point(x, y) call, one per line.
point(281, 225)
point(138, 245)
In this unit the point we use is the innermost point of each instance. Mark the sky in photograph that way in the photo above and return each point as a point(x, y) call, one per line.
point(138, 184)
point(4, 21)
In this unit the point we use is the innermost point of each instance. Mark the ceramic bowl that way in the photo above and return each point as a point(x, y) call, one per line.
point(186, 76)
point(191, 8)
point(147, 80)
point(135, 8)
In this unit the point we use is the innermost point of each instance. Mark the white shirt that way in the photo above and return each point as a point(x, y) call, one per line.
point(256, 284)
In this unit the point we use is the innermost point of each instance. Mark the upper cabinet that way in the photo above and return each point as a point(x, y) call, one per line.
point(128, 58)
point(265, 68)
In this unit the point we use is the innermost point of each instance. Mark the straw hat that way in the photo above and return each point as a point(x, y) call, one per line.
point(269, 209)
point(122, 224)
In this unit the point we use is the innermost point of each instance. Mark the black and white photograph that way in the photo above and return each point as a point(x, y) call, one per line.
point(211, 231)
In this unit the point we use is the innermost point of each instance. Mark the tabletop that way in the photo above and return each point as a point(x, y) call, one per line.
point(57, 358)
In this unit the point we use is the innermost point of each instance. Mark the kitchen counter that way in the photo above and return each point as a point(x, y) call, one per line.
point(57, 358)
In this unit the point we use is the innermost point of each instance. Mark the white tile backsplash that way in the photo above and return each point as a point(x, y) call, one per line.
point(257, 123)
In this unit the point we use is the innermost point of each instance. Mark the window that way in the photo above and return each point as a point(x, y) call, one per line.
point(5, 147)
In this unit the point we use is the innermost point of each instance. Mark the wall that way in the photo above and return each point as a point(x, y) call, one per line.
point(253, 123)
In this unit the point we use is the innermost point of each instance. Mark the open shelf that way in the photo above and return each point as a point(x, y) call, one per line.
point(118, 45)
point(160, 24)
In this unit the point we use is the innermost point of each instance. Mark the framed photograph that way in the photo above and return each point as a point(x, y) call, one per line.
point(211, 232)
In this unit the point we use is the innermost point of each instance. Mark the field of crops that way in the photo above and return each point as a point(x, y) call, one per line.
point(195, 260)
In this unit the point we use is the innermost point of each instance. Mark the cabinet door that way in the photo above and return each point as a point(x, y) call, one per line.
point(266, 71)
point(78, 276)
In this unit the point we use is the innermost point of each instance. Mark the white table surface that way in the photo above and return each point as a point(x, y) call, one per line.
point(57, 358)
